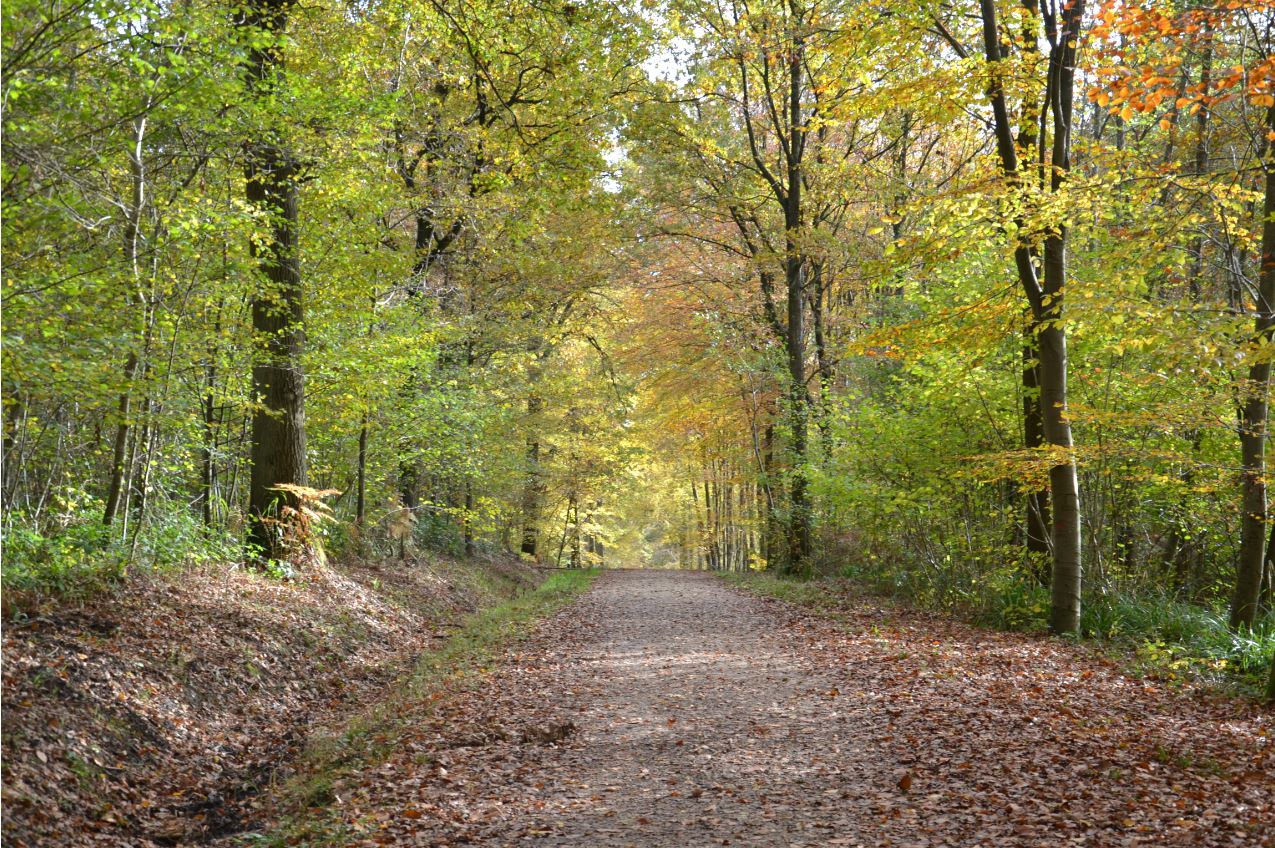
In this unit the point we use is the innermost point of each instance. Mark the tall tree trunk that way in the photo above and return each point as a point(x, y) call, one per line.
point(1036, 502)
point(360, 502)
point(208, 415)
point(207, 463)
point(1046, 297)
point(800, 520)
point(278, 441)
point(566, 528)
point(142, 478)
point(132, 245)
point(1253, 417)
point(731, 495)
point(1184, 552)
point(592, 544)
point(1064, 485)
point(1267, 600)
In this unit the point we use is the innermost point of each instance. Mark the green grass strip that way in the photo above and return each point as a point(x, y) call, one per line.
point(462, 662)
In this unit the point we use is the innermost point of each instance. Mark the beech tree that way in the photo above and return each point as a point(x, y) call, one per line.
point(1043, 274)
point(271, 173)
point(805, 285)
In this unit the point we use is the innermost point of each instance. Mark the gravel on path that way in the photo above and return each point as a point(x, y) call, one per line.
point(670, 709)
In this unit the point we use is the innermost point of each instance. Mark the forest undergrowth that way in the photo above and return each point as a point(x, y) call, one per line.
point(1150, 635)
point(165, 710)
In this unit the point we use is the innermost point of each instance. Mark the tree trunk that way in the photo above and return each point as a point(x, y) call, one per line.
point(1036, 502)
point(132, 244)
point(769, 523)
point(531, 501)
point(142, 478)
point(208, 415)
point(467, 523)
point(14, 415)
point(823, 362)
point(360, 501)
point(699, 523)
point(1267, 600)
point(533, 487)
point(1036, 505)
point(1064, 485)
point(278, 441)
point(1248, 580)
point(795, 268)
point(119, 453)
point(575, 531)
point(1046, 299)
point(1063, 482)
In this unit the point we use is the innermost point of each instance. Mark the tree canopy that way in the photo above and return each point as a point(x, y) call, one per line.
point(976, 295)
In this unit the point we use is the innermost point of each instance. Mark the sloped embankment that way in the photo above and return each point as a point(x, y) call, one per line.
point(154, 715)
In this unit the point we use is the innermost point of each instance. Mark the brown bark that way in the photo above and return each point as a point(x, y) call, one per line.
point(360, 501)
point(769, 524)
point(207, 464)
point(533, 487)
point(1253, 420)
point(800, 520)
point(1064, 484)
point(278, 441)
point(119, 452)
point(1037, 501)
point(1045, 293)
point(467, 522)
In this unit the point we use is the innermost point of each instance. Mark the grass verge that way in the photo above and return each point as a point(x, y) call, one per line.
point(1158, 637)
point(460, 663)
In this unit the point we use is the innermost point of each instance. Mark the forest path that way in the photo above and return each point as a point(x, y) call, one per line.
point(703, 715)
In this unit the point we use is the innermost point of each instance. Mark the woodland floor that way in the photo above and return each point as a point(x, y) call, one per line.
point(161, 713)
point(669, 709)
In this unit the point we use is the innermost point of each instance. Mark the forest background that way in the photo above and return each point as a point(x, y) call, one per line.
point(971, 301)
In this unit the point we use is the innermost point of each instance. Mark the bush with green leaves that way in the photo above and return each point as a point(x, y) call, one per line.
point(77, 554)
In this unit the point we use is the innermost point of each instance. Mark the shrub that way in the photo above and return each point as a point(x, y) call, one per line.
point(75, 555)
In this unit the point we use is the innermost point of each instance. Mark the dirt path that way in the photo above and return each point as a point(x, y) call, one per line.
point(704, 716)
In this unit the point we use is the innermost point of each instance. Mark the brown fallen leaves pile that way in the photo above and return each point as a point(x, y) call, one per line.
point(701, 715)
point(158, 714)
